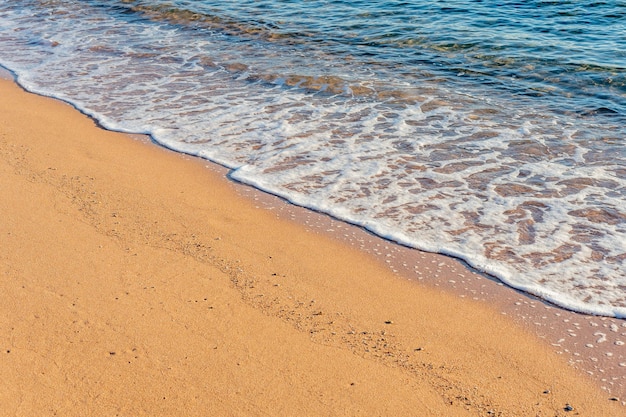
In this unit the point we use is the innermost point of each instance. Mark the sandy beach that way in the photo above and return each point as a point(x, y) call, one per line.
point(137, 281)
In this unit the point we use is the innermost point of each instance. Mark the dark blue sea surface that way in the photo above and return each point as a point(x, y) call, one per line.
point(568, 55)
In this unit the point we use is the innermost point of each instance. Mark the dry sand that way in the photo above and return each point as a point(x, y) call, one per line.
point(135, 281)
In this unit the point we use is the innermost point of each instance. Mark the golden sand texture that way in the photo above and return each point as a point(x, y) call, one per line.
point(136, 282)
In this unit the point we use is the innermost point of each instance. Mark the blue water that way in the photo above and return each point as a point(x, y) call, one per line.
point(490, 131)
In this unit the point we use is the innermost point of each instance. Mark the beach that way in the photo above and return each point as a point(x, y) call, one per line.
point(508, 155)
point(138, 281)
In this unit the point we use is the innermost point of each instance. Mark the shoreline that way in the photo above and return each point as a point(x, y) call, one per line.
point(596, 345)
point(377, 333)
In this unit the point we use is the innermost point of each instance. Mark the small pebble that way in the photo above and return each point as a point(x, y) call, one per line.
point(568, 407)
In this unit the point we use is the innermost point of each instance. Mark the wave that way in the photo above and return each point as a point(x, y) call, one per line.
point(541, 68)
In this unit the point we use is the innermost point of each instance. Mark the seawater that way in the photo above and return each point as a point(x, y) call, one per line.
point(492, 131)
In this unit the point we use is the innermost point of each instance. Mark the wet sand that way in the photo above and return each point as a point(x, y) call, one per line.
point(137, 281)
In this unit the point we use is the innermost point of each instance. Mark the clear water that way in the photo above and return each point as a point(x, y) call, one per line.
point(490, 131)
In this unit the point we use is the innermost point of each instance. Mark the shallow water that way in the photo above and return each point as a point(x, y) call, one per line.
point(493, 133)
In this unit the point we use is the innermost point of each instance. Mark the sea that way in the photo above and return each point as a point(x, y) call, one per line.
point(490, 131)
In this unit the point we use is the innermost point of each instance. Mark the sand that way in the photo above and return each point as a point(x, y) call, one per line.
point(136, 281)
